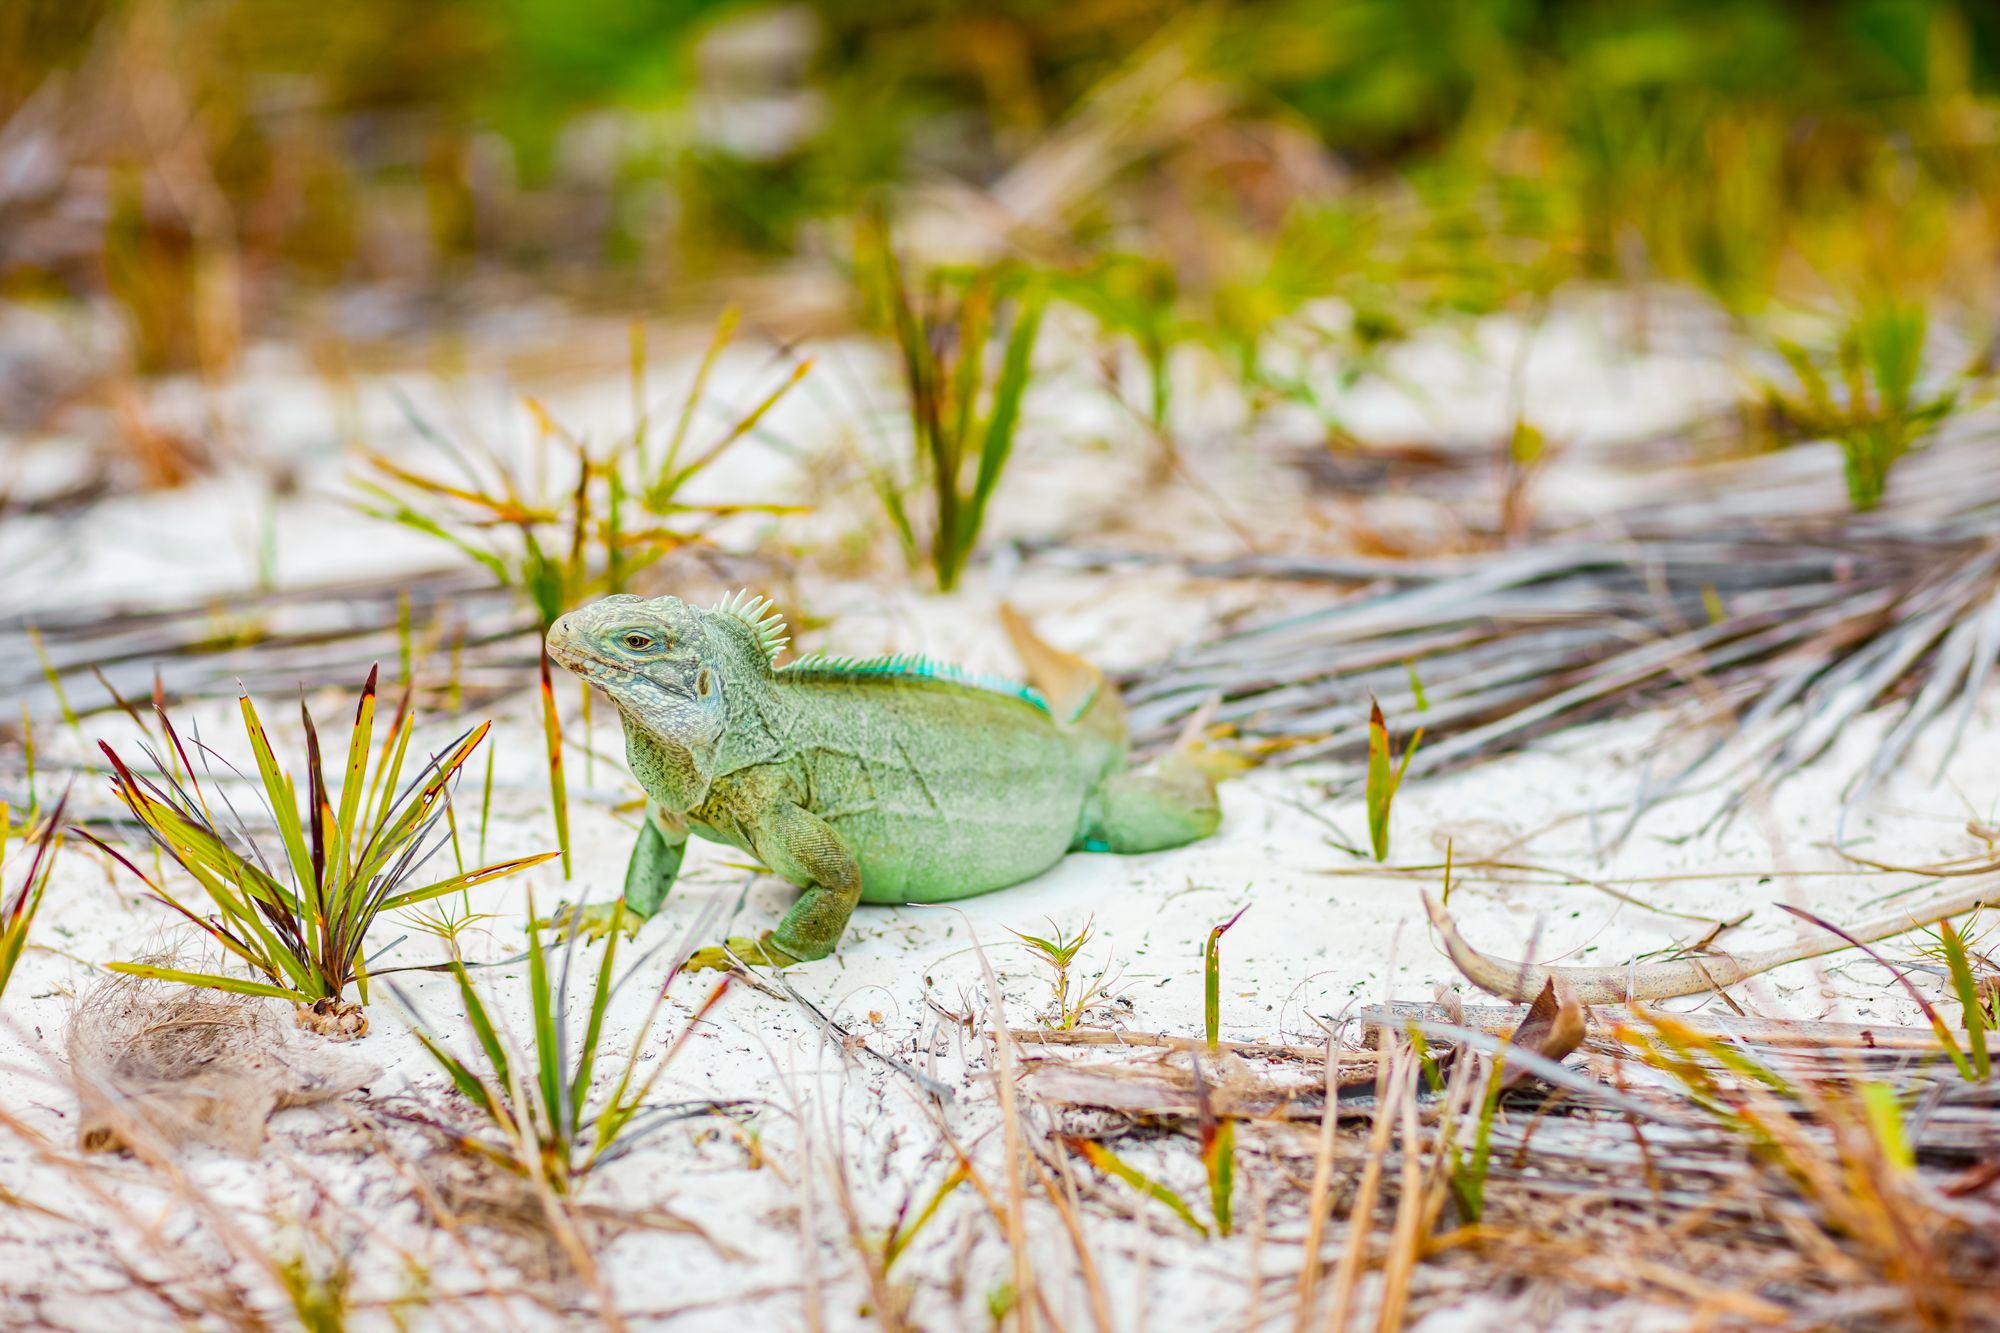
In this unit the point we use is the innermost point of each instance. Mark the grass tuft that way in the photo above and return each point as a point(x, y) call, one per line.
point(962, 424)
point(624, 509)
point(540, 1118)
point(345, 858)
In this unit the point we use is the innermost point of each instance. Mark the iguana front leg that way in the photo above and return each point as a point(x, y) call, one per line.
point(649, 875)
point(803, 848)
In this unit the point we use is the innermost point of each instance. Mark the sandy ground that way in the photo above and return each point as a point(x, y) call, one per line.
point(1324, 930)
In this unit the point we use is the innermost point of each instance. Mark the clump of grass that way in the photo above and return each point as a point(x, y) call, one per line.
point(948, 335)
point(1385, 775)
point(1861, 392)
point(1058, 953)
point(17, 911)
point(1134, 299)
point(343, 860)
point(621, 510)
point(1843, 1146)
point(539, 1118)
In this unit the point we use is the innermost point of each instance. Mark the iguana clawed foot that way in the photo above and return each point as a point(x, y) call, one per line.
point(760, 952)
point(594, 922)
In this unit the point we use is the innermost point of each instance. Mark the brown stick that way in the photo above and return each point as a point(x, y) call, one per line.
point(1649, 982)
point(1105, 1037)
point(1501, 1019)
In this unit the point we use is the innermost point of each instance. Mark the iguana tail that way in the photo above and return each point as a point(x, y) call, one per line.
point(1080, 698)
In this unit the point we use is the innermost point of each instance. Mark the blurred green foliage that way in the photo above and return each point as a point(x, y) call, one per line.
point(1227, 165)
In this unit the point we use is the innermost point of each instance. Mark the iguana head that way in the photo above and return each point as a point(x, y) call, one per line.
point(671, 668)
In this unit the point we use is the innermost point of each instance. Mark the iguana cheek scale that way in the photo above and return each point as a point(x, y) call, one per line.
point(883, 780)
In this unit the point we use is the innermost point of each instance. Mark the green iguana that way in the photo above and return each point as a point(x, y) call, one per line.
point(884, 780)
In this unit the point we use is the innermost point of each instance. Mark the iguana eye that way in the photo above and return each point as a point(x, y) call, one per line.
point(638, 642)
point(704, 684)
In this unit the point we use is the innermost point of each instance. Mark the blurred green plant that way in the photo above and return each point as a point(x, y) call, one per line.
point(966, 343)
point(1133, 299)
point(1862, 392)
point(346, 858)
point(618, 513)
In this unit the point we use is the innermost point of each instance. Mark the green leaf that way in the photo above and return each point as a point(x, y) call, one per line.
point(600, 1000)
point(558, 787)
point(1384, 777)
point(1967, 987)
point(548, 1053)
point(482, 1026)
point(1212, 978)
point(1218, 1155)
point(469, 879)
point(278, 789)
point(1885, 1119)
point(211, 981)
point(1111, 1164)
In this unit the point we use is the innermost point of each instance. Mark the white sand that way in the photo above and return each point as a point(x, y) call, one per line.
point(1323, 932)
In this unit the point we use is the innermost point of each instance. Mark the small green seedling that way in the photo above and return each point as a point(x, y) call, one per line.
point(1059, 955)
point(1211, 970)
point(1966, 986)
point(344, 860)
point(1385, 775)
point(1218, 1157)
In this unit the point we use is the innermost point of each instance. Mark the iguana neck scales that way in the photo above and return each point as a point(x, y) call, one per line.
point(888, 780)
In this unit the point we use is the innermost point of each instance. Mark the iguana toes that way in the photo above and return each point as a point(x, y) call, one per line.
point(886, 780)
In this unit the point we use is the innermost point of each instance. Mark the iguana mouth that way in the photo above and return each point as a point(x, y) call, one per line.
point(586, 663)
point(574, 657)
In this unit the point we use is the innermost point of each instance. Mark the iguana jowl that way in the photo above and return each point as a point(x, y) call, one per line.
point(887, 780)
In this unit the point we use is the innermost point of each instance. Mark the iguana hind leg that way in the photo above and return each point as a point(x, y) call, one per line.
point(1166, 803)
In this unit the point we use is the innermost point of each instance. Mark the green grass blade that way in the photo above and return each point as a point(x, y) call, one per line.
point(1967, 987)
point(284, 802)
point(209, 980)
point(558, 790)
point(548, 1053)
point(482, 1026)
point(600, 1000)
point(1009, 389)
point(1211, 969)
point(462, 1077)
point(470, 879)
point(360, 739)
point(1111, 1164)
point(1218, 1155)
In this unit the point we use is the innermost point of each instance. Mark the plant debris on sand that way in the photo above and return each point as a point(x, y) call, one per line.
point(193, 1067)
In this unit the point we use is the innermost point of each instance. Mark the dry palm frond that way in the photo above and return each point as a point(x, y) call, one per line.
point(1767, 606)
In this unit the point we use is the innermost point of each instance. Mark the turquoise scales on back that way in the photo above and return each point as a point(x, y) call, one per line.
point(881, 780)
